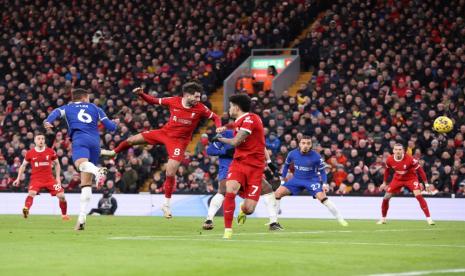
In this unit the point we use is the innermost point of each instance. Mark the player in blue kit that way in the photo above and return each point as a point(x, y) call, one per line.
point(309, 174)
point(82, 118)
point(225, 153)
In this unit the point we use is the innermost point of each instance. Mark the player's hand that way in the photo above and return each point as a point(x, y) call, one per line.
point(216, 138)
point(273, 168)
point(48, 126)
point(16, 183)
point(427, 186)
point(326, 187)
point(382, 187)
point(138, 90)
point(220, 129)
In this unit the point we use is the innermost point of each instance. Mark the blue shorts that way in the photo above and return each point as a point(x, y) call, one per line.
point(295, 186)
point(85, 146)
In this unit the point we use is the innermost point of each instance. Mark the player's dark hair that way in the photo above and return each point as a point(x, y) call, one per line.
point(39, 133)
point(306, 137)
point(398, 145)
point(79, 94)
point(242, 100)
point(192, 87)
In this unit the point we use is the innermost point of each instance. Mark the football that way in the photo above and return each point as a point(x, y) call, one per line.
point(443, 124)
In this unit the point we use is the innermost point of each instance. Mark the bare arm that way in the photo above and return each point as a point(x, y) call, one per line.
point(57, 170)
point(21, 170)
point(237, 140)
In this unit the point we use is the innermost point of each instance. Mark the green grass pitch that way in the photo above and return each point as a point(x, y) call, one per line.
point(45, 245)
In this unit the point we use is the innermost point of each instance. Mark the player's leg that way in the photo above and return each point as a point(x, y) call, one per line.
point(86, 195)
point(252, 189)
point(175, 150)
point(85, 156)
point(169, 186)
point(288, 188)
point(29, 200)
point(393, 188)
point(229, 205)
point(215, 204)
point(321, 196)
point(63, 204)
point(423, 204)
point(137, 139)
point(270, 202)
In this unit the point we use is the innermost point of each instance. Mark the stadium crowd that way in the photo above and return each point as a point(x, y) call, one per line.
point(383, 70)
point(112, 47)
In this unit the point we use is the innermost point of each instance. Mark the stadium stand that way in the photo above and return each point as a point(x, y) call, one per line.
point(111, 47)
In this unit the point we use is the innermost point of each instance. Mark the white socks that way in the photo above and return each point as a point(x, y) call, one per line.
point(332, 208)
point(278, 205)
point(215, 205)
point(86, 194)
point(88, 167)
point(167, 202)
point(270, 202)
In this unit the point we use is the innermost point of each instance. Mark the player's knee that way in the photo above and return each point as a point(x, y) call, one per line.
point(387, 196)
point(248, 210)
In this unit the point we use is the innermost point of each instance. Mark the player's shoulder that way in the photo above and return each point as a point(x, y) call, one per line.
point(389, 159)
point(50, 150)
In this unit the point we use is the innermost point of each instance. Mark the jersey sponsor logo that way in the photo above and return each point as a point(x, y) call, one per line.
point(182, 121)
point(302, 168)
point(248, 120)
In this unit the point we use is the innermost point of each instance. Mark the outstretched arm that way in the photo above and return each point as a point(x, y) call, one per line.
point(109, 124)
point(139, 91)
point(237, 140)
point(56, 113)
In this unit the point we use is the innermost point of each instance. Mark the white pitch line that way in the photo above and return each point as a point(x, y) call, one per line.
point(423, 272)
point(154, 238)
point(286, 233)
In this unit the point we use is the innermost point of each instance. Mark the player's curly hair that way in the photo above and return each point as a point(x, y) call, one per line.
point(79, 93)
point(242, 100)
point(192, 87)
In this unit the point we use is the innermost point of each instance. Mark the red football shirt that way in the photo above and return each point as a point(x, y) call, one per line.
point(252, 150)
point(183, 121)
point(405, 169)
point(41, 164)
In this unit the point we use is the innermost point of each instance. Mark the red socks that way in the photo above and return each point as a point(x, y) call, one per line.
point(122, 146)
point(423, 205)
point(28, 203)
point(384, 207)
point(63, 206)
point(229, 205)
point(169, 186)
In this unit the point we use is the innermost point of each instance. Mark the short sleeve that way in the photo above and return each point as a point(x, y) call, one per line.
point(28, 156)
point(248, 124)
point(53, 154)
point(321, 164)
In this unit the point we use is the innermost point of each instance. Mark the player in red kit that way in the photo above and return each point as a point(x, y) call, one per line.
point(405, 175)
point(246, 170)
point(185, 115)
point(41, 159)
